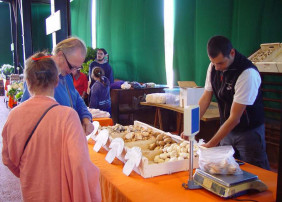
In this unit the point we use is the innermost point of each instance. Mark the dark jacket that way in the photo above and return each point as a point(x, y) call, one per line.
point(100, 95)
point(223, 84)
point(107, 69)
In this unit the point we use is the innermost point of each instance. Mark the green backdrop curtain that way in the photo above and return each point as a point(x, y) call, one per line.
point(6, 56)
point(132, 32)
point(81, 20)
point(40, 41)
point(247, 23)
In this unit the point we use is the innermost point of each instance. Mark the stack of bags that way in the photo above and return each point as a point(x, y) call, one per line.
point(97, 113)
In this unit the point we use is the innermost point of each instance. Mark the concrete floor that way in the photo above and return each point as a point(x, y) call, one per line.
point(9, 184)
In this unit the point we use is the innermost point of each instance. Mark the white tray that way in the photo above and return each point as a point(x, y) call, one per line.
point(147, 170)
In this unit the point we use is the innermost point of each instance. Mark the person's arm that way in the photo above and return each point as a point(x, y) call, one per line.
point(246, 90)
point(233, 120)
point(111, 73)
point(90, 70)
point(86, 116)
point(7, 160)
point(204, 102)
point(94, 97)
point(80, 107)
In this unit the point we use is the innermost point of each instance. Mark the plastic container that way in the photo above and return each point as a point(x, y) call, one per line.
point(172, 96)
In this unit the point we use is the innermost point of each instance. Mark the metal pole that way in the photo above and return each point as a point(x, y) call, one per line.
point(14, 33)
point(191, 158)
point(191, 184)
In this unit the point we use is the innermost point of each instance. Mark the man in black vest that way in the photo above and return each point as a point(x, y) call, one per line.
point(235, 82)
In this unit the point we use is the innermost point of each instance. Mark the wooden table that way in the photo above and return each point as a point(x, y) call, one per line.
point(211, 114)
point(118, 187)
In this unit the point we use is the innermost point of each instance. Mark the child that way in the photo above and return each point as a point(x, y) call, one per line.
point(100, 91)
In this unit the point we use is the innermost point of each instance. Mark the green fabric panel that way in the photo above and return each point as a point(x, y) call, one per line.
point(246, 23)
point(132, 32)
point(211, 19)
point(196, 22)
point(271, 26)
point(184, 50)
point(6, 56)
point(81, 20)
point(256, 22)
point(41, 41)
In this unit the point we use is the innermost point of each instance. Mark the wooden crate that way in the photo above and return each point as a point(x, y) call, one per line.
point(268, 58)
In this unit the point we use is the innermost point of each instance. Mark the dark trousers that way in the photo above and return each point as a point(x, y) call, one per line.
point(249, 146)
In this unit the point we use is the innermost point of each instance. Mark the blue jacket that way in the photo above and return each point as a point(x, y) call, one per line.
point(62, 96)
point(100, 96)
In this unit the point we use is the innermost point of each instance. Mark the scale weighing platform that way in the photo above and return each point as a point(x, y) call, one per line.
point(228, 186)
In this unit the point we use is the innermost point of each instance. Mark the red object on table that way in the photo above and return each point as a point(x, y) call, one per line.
point(12, 102)
point(7, 82)
point(104, 121)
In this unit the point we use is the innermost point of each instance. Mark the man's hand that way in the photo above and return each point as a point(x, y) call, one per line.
point(208, 145)
point(184, 137)
point(87, 126)
point(234, 118)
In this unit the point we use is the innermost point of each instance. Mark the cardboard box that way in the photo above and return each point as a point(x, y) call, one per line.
point(190, 93)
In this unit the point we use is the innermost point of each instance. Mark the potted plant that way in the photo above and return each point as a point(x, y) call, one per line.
point(15, 92)
point(90, 57)
point(7, 70)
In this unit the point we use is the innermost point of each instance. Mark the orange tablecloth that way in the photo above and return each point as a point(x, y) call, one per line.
point(104, 121)
point(118, 187)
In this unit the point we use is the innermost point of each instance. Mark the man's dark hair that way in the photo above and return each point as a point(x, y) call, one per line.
point(104, 51)
point(217, 45)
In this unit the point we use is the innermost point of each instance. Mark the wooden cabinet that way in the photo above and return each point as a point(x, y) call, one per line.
point(272, 98)
point(126, 105)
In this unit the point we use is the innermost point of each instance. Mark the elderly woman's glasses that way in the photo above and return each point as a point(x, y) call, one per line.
point(69, 65)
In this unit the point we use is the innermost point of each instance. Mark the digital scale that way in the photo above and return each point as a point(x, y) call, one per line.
point(226, 186)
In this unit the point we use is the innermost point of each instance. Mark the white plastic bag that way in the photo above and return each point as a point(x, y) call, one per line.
point(218, 160)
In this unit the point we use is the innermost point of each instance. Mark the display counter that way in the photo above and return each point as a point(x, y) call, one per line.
point(116, 186)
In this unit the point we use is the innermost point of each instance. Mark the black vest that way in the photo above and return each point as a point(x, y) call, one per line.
point(223, 84)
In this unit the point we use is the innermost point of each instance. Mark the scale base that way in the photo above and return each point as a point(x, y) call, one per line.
point(237, 188)
point(191, 185)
